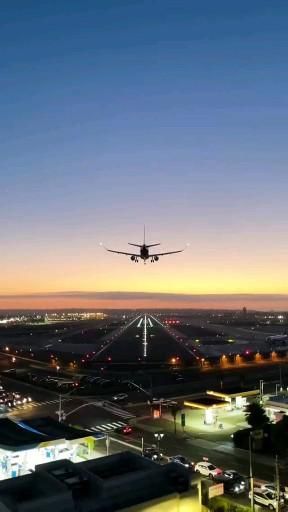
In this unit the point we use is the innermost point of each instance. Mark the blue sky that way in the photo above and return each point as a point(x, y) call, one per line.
point(120, 113)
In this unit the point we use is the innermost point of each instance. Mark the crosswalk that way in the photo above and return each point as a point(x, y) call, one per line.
point(107, 427)
point(110, 407)
point(30, 405)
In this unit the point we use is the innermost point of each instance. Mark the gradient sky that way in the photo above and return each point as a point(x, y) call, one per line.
point(117, 113)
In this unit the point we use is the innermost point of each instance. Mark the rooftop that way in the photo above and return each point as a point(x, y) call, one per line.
point(56, 430)
point(205, 402)
point(279, 399)
point(232, 392)
point(27, 434)
point(106, 484)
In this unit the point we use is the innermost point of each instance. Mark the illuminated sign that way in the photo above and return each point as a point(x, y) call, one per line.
point(215, 490)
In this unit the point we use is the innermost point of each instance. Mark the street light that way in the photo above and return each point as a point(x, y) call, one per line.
point(251, 473)
point(277, 484)
point(60, 412)
point(158, 436)
point(261, 390)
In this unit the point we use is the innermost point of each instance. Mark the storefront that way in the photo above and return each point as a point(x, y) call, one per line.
point(23, 447)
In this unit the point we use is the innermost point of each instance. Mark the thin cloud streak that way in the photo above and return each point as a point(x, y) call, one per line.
point(122, 299)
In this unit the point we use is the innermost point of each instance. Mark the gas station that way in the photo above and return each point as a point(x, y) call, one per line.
point(224, 408)
point(236, 398)
point(209, 406)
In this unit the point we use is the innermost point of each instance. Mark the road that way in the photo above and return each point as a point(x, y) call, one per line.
point(93, 417)
point(89, 415)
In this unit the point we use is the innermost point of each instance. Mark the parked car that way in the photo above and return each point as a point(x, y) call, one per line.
point(180, 459)
point(232, 485)
point(152, 454)
point(266, 499)
point(120, 397)
point(205, 468)
point(234, 475)
point(272, 487)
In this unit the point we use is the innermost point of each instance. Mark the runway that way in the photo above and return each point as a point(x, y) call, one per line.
point(146, 339)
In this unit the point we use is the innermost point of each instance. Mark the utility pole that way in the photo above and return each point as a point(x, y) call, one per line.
point(280, 376)
point(107, 444)
point(277, 482)
point(251, 473)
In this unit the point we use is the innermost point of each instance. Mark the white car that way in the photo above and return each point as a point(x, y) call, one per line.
point(205, 468)
point(120, 396)
point(266, 498)
point(272, 488)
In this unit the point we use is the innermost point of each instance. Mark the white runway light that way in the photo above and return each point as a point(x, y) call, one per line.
point(145, 336)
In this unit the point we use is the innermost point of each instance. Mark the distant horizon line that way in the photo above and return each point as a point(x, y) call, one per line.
point(123, 294)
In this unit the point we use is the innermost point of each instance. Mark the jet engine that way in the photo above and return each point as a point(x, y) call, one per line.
point(133, 258)
point(156, 258)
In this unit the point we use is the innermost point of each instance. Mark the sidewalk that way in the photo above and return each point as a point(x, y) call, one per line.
point(216, 446)
point(228, 448)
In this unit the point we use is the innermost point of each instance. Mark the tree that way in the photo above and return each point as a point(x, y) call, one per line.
point(174, 409)
point(279, 436)
point(256, 416)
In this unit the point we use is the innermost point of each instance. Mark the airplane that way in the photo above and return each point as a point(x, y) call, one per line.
point(144, 252)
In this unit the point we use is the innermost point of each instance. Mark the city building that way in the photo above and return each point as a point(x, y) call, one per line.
point(276, 407)
point(124, 482)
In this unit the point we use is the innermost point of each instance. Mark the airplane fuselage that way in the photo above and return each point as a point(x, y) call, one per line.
point(144, 252)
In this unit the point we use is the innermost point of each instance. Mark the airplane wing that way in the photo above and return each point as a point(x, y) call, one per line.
point(164, 253)
point(125, 253)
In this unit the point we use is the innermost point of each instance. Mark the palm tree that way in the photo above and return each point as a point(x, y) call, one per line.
point(256, 416)
point(174, 409)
